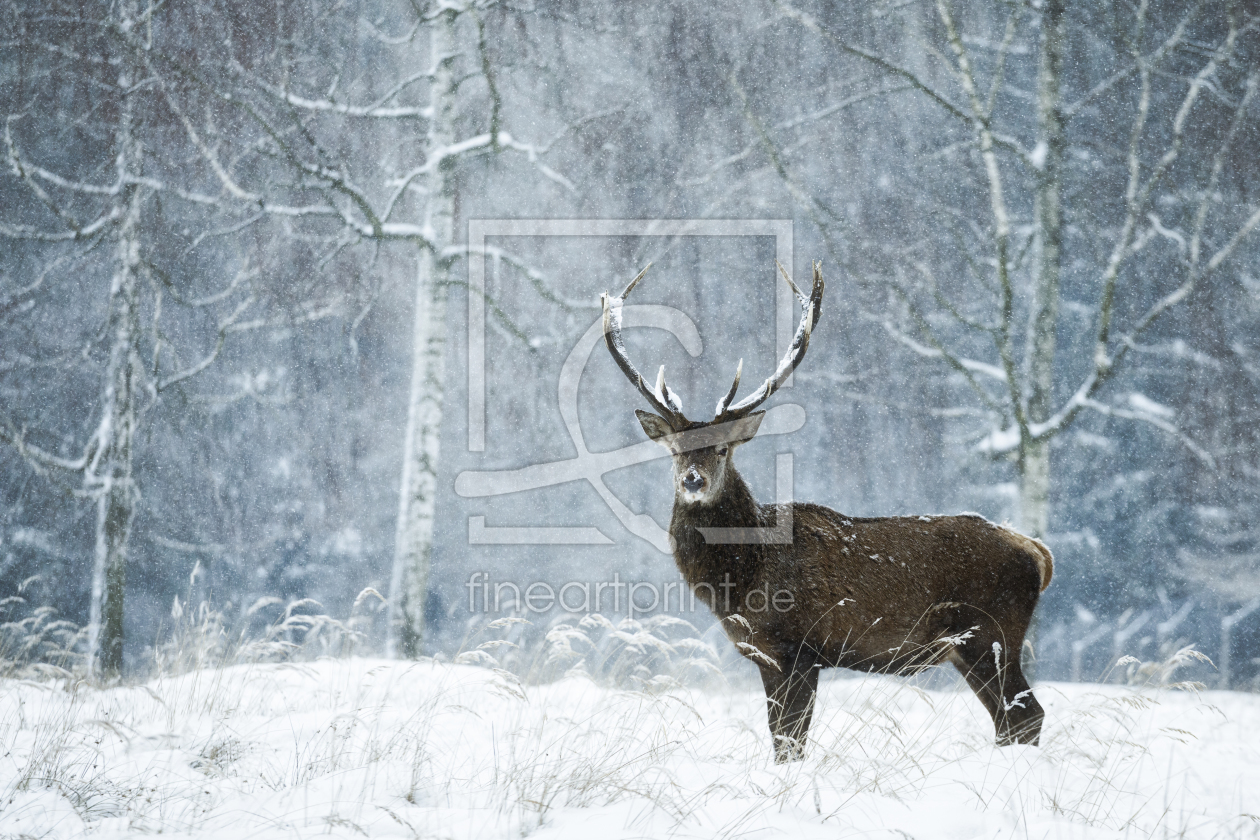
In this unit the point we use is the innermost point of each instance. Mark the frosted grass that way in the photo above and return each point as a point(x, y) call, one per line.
point(360, 747)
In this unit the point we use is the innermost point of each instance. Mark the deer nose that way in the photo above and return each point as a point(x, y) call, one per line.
point(692, 481)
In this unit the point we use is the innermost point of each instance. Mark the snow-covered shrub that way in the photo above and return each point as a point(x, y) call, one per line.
point(34, 643)
point(208, 637)
point(1161, 674)
point(653, 654)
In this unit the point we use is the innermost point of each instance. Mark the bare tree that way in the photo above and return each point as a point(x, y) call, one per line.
point(365, 158)
point(1026, 190)
point(413, 540)
point(123, 205)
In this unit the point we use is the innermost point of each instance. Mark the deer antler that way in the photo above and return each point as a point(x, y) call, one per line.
point(661, 398)
point(811, 309)
point(666, 402)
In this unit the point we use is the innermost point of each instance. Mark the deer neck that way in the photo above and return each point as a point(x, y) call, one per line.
point(701, 562)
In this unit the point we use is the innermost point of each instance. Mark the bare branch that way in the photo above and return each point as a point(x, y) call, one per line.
point(938, 351)
point(207, 154)
point(539, 281)
point(1159, 423)
point(225, 326)
point(1228, 248)
point(38, 457)
point(999, 73)
point(809, 22)
point(487, 72)
point(943, 301)
point(1003, 338)
point(1153, 60)
point(968, 368)
point(245, 273)
point(19, 297)
point(813, 116)
point(805, 197)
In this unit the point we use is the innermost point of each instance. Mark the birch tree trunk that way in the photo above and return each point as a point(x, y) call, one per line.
point(413, 536)
point(109, 474)
point(1034, 455)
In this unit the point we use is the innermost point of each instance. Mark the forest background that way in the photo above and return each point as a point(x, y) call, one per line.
point(236, 279)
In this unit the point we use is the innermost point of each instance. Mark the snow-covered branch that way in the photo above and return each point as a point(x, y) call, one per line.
point(1106, 363)
point(77, 230)
point(1007, 440)
point(479, 144)
point(961, 362)
point(379, 109)
point(1003, 338)
point(1155, 420)
point(1138, 191)
point(545, 288)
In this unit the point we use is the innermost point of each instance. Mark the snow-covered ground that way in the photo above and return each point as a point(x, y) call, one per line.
point(360, 747)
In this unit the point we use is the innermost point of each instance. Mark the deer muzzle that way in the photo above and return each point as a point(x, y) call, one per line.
point(693, 481)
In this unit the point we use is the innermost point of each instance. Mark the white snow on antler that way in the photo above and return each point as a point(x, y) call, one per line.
point(664, 393)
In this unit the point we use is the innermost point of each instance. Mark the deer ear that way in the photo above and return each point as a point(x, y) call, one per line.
point(743, 429)
point(657, 428)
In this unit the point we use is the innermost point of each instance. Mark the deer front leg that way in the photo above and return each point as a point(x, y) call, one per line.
point(790, 696)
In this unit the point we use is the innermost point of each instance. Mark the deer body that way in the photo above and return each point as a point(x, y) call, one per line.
point(868, 594)
point(888, 594)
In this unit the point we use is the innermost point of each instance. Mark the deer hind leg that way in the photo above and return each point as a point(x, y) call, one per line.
point(994, 674)
point(790, 694)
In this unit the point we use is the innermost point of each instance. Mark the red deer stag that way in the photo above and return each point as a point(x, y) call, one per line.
point(891, 594)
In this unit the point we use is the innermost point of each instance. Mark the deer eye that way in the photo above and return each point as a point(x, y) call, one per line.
point(722, 451)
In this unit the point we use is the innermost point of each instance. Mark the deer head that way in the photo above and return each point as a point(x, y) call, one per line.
point(701, 450)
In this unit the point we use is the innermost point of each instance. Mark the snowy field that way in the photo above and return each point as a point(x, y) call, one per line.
point(360, 747)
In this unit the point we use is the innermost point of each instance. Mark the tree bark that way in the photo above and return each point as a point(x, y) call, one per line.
point(108, 475)
point(1034, 454)
point(1034, 488)
point(413, 535)
point(1034, 464)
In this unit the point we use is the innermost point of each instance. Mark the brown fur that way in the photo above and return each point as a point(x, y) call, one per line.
point(1045, 560)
